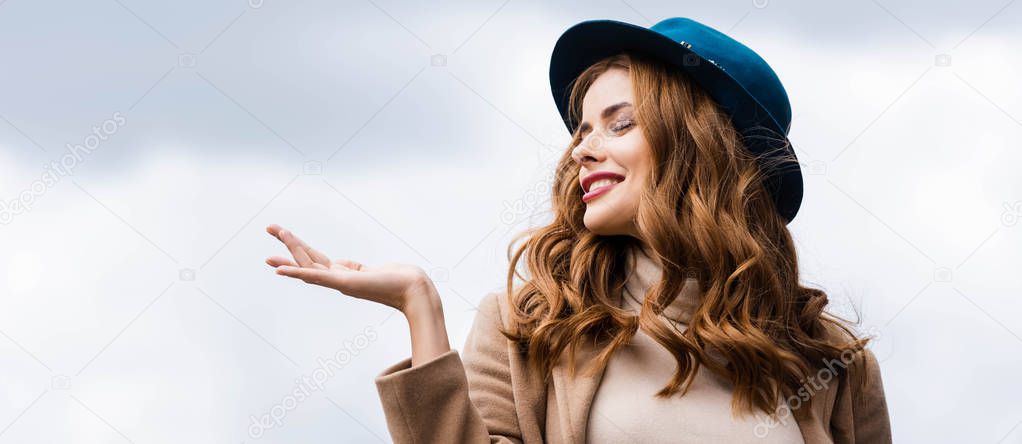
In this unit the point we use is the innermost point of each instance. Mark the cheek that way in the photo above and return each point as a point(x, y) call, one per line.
point(635, 154)
point(630, 198)
point(639, 163)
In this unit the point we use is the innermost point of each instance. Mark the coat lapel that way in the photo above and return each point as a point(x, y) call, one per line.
point(575, 396)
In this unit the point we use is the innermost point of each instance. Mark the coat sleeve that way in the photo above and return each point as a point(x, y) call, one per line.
point(862, 400)
point(455, 398)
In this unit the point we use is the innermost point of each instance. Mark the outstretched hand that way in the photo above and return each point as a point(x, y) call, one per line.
point(396, 285)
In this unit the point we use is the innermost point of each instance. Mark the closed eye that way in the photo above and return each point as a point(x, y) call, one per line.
point(625, 125)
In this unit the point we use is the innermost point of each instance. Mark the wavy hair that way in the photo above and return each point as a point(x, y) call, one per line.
point(706, 214)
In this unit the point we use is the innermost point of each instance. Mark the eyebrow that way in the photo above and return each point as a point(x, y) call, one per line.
point(607, 112)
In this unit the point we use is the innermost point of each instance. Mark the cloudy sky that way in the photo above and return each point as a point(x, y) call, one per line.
point(144, 146)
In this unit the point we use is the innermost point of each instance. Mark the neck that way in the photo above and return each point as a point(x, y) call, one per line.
point(644, 249)
point(645, 271)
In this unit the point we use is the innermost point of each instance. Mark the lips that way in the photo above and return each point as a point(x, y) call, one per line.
point(600, 180)
point(599, 175)
point(599, 191)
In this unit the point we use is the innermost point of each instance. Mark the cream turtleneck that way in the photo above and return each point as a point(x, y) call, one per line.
point(624, 408)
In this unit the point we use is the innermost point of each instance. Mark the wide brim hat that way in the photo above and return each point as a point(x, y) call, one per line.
point(737, 78)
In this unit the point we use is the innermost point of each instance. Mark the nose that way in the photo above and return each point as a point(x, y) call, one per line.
point(588, 150)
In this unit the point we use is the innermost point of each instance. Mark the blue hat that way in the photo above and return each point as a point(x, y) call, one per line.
point(737, 78)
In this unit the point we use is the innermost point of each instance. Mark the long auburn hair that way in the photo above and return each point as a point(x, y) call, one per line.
point(705, 214)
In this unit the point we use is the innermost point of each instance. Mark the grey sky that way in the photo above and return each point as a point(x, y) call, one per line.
point(135, 302)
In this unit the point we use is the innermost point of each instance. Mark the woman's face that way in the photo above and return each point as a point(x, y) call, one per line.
point(613, 157)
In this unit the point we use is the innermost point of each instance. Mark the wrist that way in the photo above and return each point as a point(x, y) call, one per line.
point(425, 314)
point(423, 302)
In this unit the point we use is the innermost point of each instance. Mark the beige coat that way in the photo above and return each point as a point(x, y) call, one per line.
point(486, 395)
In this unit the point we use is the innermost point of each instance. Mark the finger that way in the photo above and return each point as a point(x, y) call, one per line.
point(350, 264)
point(296, 249)
point(274, 230)
point(317, 256)
point(277, 261)
point(309, 275)
point(313, 253)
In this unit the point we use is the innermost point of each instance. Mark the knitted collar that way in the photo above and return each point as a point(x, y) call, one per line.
point(646, 271)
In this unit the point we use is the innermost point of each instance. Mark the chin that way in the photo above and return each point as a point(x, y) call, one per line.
point(603, 224)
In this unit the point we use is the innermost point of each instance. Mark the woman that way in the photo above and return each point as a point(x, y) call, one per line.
point(667, 276)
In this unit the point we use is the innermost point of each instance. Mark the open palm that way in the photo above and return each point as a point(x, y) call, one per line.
point(394, 285)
